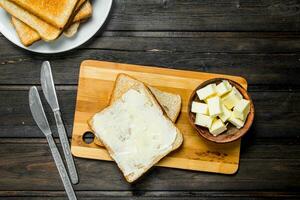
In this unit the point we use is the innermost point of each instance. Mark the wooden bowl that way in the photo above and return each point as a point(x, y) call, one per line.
point(232, 132)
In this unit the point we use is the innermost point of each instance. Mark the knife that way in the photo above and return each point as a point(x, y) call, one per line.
point(42, 122)
point(50, 95)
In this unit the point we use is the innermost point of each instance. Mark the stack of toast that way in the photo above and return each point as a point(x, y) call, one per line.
point(138, 127)
point(46, 19)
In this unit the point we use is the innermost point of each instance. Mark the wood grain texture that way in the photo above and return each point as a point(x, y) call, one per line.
point(30, 160)
point(230, 42)
point(96, 81)
point(206, 15)
point(16, 120)
point(191, 15)
point(262, 58)
point(206, 195)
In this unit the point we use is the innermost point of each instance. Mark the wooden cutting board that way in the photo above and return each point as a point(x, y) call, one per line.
point(96, 81)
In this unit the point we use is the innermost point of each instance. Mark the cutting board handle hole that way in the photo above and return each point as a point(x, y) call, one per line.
point(88, 137)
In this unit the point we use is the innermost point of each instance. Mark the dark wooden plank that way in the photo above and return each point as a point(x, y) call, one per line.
point(265, 165)
point(260, 37)
point(277, 112)
point(151, 195)
point(277, 69)
point(16, 119)
point(191, 15)
point(262, 58)
point(205, 15)
point(201, 42)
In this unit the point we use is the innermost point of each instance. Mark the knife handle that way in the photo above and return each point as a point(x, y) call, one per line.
point(61, 169)
point(66, 147)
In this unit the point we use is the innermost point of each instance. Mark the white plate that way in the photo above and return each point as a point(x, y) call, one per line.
point(86, 30)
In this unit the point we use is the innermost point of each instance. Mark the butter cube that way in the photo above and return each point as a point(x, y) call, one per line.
point(215, 95)
point(198, 107)
point(214, 106)
point(223, 88)
point(231, 99)
point(228, 85)
point(237, 92)
point(217, 127)
point(203, 120)
point(207, 91)
point(226, 113)
point(236, 122)
point(242, 109)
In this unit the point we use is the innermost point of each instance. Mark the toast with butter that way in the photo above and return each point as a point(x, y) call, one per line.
point(171, 103)
point(54, 12)
point(136, 132)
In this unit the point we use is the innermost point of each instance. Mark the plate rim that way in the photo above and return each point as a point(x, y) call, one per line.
point(110, 2)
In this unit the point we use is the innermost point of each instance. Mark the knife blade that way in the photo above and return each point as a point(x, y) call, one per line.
point(48, 86)
point(40, 118)
point(51, 97)
point(37, 111)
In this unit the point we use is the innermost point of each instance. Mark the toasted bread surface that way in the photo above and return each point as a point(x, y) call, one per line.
point(26, 34)
point(72, 30)
point(85, 12)
point(79, 4)
point(45, 30)
point(139, 168)
point(54, 12)
point(171, 103)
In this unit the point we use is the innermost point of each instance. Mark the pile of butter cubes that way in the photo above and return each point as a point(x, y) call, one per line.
point(220, 104)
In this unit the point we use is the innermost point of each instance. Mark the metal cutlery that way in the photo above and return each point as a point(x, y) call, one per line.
point(42, 122)
point(50, 95)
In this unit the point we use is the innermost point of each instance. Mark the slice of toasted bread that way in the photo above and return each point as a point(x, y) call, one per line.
point(45, 30)
point(72, 30)
point(28, 35)
point(79, 4)
point(85, 11)
point(171, 103)
point(54, 12)
point(83, 14)
point(136, 132)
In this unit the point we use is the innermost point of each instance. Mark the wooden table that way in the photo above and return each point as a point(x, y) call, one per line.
point(258, 40)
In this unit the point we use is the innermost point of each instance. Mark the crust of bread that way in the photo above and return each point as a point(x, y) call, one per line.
point(172, 112)
point(84, 12)
point(176, 144)
point(163, 97)
point(54, 12)
point(79, 4)
point(72, 30)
